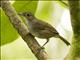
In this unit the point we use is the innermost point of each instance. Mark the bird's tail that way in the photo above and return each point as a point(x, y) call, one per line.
point(64, 40)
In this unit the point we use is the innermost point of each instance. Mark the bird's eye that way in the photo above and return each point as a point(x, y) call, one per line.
point(28, 15)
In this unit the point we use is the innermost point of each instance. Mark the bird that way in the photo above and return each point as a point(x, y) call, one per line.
point(41, 29)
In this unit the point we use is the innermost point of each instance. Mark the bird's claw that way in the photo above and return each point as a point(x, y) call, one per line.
point(40, 49)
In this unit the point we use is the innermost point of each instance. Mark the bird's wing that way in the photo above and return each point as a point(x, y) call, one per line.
point(41, 25)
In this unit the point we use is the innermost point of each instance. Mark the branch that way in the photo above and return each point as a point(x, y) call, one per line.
point(22, 30)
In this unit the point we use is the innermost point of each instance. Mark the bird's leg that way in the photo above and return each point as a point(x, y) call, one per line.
point(45, 43)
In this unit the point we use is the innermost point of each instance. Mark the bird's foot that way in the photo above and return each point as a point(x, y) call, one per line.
point(42, 47)
point(40, 50)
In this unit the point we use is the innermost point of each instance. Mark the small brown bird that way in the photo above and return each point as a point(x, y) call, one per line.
point(40, 28)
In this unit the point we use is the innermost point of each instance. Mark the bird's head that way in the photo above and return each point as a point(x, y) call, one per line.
point(27, 15)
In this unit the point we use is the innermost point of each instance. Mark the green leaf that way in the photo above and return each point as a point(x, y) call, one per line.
point(22, 6)
point(8, 33)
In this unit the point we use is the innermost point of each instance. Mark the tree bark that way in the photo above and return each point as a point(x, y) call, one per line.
point(74, 53)
point(23, 31)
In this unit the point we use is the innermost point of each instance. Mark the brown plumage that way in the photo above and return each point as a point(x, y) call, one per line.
point(40, 28)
